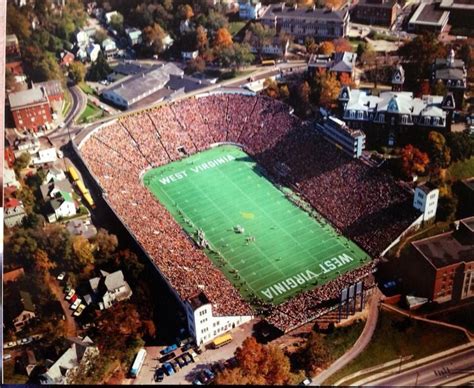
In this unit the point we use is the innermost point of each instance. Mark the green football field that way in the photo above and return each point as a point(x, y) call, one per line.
point(265, 244)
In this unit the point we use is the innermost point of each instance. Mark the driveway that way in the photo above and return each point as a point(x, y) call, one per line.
point(71, 326)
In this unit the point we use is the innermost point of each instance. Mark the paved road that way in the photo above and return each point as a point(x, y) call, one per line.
point(360, 344)
point(439, 372)
point(71, 326)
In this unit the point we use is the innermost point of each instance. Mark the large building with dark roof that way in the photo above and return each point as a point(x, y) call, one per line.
point(441, 268)
point(378, 12)
point(302, 22)
point(428, 17)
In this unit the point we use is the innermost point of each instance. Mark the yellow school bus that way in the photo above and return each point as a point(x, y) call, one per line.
point(73, 173)
point(89, 200)
point(268, 62)
point(221, 341)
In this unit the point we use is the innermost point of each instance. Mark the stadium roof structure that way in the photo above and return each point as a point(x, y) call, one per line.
point(449, 248)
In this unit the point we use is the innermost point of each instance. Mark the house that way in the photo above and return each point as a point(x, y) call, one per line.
point(12, 46)
point(453, 74)
point(45, 156)
point(14, 275)
point(52, 189)
point(55, 93)
point(16, 68)
point(302, 22)
point(31, 109)
point(203, 325)
point(78, 355)
point(337, 63)
point(66, 58)
point(391, 114)
point(81, 228)
point(428, 17)
point(20, 310)
point(63, 206)
point(398, 78)
point(93, 51)
point(30, 145)
point(134, 36)
point(110, 288)
point(9, 178)
point(376, 12)
point(13, 213)
point(426, 200)
point(109, 47)
point(109, 15)
point(82, 38)
point(249, 9)
point(55, 174)
point(441, 267)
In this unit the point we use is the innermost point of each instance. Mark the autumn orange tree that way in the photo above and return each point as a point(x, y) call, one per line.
point(223, 38)
point(314, 354)
point(341, 45)
point(414, 161)
point(329, 89)
point(258, 364)
point(326, 48)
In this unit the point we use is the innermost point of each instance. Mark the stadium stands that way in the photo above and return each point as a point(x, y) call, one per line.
point(363, 203)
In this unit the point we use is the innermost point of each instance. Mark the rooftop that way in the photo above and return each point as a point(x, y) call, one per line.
point(27, 97)
point(378, 3)
point(53, 87)
point(451, 247)
point(467, 5)
point(282, 10)
point(429, 14)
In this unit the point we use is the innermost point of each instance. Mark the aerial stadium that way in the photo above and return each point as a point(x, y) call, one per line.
point(244, 209)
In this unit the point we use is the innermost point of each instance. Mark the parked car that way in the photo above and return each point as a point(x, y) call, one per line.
point(181, 362)
point(61, 276)
point(209, 374)
point(187, 346)
point(79, 310)
point(306, 381)
point(24, 341)
point(197, 349)
point(196, 381)
point(194, 355)
point(168, 368)
point(67, 288)
point(175, 365)
point(73, 299)
point(76, 304)
point(70, 294)
point(168, 357)
point(188, 358)
point(203, 378)
point(169, 349)
point(10, 344)
point(7, 357)
point(159, 375)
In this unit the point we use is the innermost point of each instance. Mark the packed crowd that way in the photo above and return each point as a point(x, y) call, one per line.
point(363, 203)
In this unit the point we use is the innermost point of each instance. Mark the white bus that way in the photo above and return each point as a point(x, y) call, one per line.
point(138, 363)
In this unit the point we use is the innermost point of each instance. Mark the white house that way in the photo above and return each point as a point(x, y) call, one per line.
point(48, 155)
point(82, 38)
point(14, 212)
point(110, 288)
point(55, 174)
point(9, 178)
point(93, 51)
point(110, 47)
point(249, 9)
point(426, 201)
point(63, 206)
point(203, 325)
point(134, 36)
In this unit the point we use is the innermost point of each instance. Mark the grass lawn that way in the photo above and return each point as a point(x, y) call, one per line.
point(341, 339)
point(86, 88)
point(395, 336)
point(67, 103)
point(235, 27)
point(233, 74)
point(463, 316)
point(263, 243)
point(90, 113)
point(462, 170)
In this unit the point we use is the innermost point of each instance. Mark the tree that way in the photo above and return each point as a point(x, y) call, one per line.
point(439, 88)
point(261, 34)
point(361, 47)
point(116, 22)
point(83, 251)
point(311, 45)
point(465, 53)
point(215, 21)
point(223, 39)
point(153, 38)
point(330, 88)
point(314, 354)
point(100, 69)
point(185, 12)
point(42, 263)
point(17, 23)
point(447, 206)
point(461, 145)
point(303, 93)
point(270, 88)
point(439, 153)
point(197, 65)
point(284, 92)
point(202, 39)
point(345, 79)
point(414, 161)
point(105, 243)
point(326, 48)
point(77, 72)
point(20, 248)
point(22, 162)
point(242, 55)
point(341, 45)
point(56, 241)
point(100, 36)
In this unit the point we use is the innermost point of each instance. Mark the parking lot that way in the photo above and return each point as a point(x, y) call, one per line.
point(188, 373)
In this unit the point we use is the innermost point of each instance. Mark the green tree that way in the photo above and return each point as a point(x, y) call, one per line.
point(100, 69)
point(447, 206)
point(22, 162)
point(20, 248)
point(311, 45)
point(56, 241)
point(262, 35)
point(461, 145)
point(100, 36)
point(438, 89)
point(116, 22)
point(17, 23)
point(83, 251)
point(77, 72)
point(314, 355)
point(215, 21)
point(438, 151)
point(105, 243)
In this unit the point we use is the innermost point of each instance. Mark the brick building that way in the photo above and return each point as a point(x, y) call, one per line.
point(441, 268)
point(302, 22)
point(31, 109)
point(378, 12)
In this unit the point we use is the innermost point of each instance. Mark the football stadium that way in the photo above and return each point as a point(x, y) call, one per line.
point(243, 207)
point(265, 244)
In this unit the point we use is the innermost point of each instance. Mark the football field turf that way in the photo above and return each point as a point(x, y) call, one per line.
point(267, 246)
